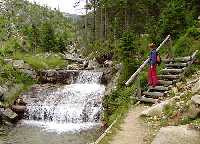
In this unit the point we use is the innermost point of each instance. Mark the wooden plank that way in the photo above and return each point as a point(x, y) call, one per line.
point(179, 65)
point(169, 76)
point(133, 77)
point(154, 94)
point(147, 100)
point(172, 70)
point(165, 83)
point(159, 88)
point(180, 59)
point(193, 57)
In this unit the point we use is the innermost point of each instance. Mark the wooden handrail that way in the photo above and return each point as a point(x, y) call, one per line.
point(132, 78)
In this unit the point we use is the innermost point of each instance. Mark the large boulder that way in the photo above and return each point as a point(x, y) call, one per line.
point(196, 87)
point(9, 115)
point(194, 109)
point(177, 135)
point(157, 110)
point(18, 108)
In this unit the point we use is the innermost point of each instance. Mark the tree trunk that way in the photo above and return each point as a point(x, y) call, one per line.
point(105, 23)
point(86, 21)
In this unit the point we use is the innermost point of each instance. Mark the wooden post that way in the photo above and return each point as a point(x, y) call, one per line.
point(132, 78)
point(139, 91)
point(170, 43)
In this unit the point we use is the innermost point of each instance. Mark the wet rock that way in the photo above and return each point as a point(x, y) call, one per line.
point(101, 59)
point(177, 135)
point(58, 76)
point(108, 63)
point(108, 75)
point(18, 108)
point(9, 115)
point(19, 101)
point(92, 64)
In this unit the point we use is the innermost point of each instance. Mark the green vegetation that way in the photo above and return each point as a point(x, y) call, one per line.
point(42, 61)
point(124, 28)
point(117, 104)
point(34, 34)
point(15, 80)
point(187, 43)
point(32, 28)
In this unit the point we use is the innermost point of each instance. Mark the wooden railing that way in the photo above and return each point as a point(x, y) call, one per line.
point(134, 76)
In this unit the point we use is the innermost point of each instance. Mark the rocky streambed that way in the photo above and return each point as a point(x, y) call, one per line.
point(60, 112)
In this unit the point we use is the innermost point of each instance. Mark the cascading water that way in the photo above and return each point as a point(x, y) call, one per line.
point(71, 108)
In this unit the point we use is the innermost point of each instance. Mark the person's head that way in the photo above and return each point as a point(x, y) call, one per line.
point(152, 46)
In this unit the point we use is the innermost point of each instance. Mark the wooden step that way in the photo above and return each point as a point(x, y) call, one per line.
point(172, 70)
point(166, 83)
point(176, 65)
point(169, 76)
point(158, 88)
point(147, 100)
point(154, 94)
point(180, 59)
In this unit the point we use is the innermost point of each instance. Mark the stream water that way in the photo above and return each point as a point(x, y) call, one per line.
point(66, 115)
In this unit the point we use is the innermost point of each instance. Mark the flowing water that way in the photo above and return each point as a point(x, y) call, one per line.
point(66, 115)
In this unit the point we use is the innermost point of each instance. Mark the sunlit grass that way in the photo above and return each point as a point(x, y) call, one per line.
point(42, 61)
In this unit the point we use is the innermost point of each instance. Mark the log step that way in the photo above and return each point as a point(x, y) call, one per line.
point(169, 76)
point(180, 59)
point(147, 100)
point(176, 65)
point(172, 70)
point(159, 88)
point(166, 83)
point(154, 94)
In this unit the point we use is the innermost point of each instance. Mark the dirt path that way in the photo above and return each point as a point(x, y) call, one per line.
point(133, 130)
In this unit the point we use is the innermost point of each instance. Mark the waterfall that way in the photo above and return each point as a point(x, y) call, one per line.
point(74, 107)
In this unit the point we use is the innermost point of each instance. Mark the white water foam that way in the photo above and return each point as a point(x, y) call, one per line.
point(72, 108)
point(60, 128)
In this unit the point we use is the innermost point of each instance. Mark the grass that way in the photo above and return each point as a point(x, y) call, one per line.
point(42, 61)
point(15, 80)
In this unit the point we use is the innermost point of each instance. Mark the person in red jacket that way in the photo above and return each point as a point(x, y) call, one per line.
point(152, 72)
